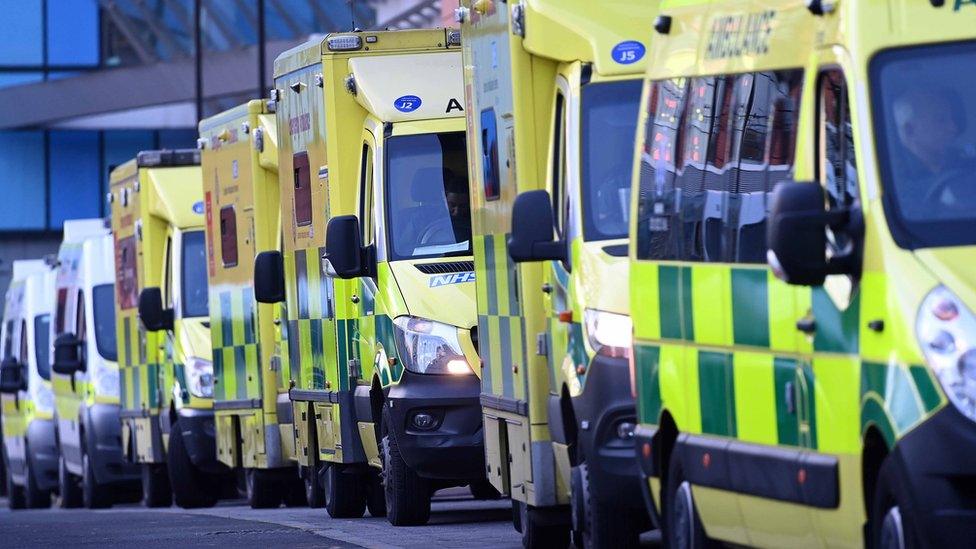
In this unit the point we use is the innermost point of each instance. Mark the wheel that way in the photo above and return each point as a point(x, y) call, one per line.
point(517, 516)
point(536, 532)
point(484, 490)
point(683, 527)
point(596, 524)
point(262, 488)
point(314, 492)
point(155, 485)
point(294, 489)
point(344, 494)
point(891, 529)
point(407, 495)
point(15, 494)
point(93, 494)
point(34, 496)
point(192, 489)
point(375, 494)
point(69, 487)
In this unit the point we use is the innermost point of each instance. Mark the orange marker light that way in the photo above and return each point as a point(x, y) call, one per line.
point(566, 316)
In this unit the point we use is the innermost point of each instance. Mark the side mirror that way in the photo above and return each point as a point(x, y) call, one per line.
point(269, 277)
point(67, 355)
point(12, 378)
point(532, 235)
point(344, 249)
point(154, 317)
point(797, 235)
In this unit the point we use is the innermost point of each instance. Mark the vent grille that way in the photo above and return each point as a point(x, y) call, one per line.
point(446, 268)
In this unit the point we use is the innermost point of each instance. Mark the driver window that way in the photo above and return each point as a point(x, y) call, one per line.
point(24, 354)
point(837, 166)
point(167, 273)
point(559, 166)
point(8, 339)
point(80, 325)
point(366, 194)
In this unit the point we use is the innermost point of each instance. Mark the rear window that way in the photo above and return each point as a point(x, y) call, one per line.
point(104, 313)
point(126, 276)
point(42, 344)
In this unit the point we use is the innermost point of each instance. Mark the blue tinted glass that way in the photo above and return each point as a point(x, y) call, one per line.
point(72, 32)
point(21, 35)
point(178, 139)
point(75, 184)
point(22, 166)
point(8, 79)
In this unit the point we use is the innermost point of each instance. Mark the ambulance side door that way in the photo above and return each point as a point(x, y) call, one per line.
point(365, 292)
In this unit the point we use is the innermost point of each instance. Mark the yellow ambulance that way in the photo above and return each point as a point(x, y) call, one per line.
point(833, 140)
point(85, 375)
point(384, 364)
point(30, 451)
point(161, 311)
point(239, 160)
point(552, 97)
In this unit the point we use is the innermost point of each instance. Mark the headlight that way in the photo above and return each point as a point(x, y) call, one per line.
point(199, 377)
point(609, 333)
point(105, 378)
point(43, 399)
point(428, 347)
point(946, 331)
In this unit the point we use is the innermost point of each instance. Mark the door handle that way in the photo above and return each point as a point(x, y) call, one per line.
point(547, 288)
point(807, 325)
point(354, 298)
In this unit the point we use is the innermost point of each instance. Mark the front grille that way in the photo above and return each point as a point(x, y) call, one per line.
point(446, 268)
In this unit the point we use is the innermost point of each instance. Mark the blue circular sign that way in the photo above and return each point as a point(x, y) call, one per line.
point(628, 52)
point(198, 208)
point(407, 103)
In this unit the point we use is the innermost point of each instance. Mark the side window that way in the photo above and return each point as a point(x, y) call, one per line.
point(228, 236)
point(60, 311)
point(837, 167)
point(126, 277)
point(168, 273)
point(81, 327)
point(558, 175)
point(366, 194)
point(303, 189)
point(489, 154)
point(24, 355)
point(714, 148)
point(8, 339)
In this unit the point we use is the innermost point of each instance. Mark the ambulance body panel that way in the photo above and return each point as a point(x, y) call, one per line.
point(804, 415)
point(552, 91)
point(29, 443)
point(371, 124)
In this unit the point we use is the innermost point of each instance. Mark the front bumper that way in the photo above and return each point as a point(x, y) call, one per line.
point(454, 448)
point(200, 439)
point(42, 451)
point(604, 405)
point(103, 440)
point(938, 473)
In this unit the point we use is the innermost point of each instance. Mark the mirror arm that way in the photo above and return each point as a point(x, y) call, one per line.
point(554, 250)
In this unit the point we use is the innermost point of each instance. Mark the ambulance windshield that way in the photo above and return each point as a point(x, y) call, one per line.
point(427, 205)
point(103, 297)
point(194, 279)
point(609, 122)
point(926, 130)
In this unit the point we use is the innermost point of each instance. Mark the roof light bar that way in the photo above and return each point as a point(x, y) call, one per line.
point(344, 42)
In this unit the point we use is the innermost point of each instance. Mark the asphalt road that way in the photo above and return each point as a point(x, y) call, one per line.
point(456, 521)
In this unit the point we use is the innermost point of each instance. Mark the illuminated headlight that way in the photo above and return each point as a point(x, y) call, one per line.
point(946, 332)
point(344, 42)
point(199, 377)
point(44, 399)
point(609, 333)
point(106, 380)
point(428, 347)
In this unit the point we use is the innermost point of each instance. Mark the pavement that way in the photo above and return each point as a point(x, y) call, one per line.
point(457, 520)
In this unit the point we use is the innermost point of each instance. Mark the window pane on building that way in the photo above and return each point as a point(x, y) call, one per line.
point(8, 79)
point(75, 188)
point(72, 32)
point(21, 44)
point(22, 165)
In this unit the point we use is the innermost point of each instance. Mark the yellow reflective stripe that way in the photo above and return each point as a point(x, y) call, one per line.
point(515, 335)
point(711, 304)
point(755, 399)
point(783, 314)
point(837, 403)
point(646, 300)
point(480, 283)
point(501, 277)
point(495, 355)
point(875, 346)
point(679, 386)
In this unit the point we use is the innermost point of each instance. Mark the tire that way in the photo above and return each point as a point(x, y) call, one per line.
point(155, 486)
point(484, 490)
point(536, 534)
point(314, 492)
point(34, 496)
point(69, 487)
point(191, 488)
point(294, 489)
point(93, 494)
point(683, 527)
point(407, 495)
point(344, 494)
point(891, 528)
point(599, 525)
point(375, 494)
point(263, 488)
